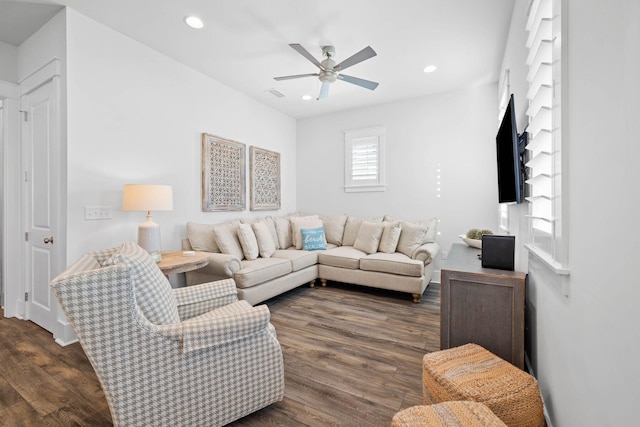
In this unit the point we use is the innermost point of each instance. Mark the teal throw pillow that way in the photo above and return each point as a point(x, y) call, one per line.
point(313, 239)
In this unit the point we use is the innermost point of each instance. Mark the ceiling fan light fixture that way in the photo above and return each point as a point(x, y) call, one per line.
point(193, 21)
point(430, 69)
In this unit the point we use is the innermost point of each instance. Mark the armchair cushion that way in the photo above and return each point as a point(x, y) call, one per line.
point(152, 290)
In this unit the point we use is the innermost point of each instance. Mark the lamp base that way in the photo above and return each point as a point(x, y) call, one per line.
point(149, 238)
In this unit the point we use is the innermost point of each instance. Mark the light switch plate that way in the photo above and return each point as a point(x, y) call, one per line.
point(97, 212)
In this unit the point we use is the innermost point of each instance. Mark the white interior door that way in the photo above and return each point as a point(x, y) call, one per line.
point(40, 143)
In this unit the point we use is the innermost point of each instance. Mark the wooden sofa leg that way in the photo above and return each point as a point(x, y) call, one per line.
point(312, 283)
point(416, 298)
point(323, 282)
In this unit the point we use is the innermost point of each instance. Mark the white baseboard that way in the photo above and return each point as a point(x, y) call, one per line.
point(527, 363)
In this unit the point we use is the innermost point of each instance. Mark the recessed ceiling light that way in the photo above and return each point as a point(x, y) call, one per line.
point(430, 68)
point(306, 97)
point(193, 21)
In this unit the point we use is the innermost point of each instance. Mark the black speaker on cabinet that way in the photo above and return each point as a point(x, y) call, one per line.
point(498, 251)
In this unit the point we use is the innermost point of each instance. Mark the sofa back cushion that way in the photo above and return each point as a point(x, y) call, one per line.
point(201, 237)
point(334, 228)
point(299, 222)
point(352, 227)
point(430, 224)
point(283, 229)
point(152, 290)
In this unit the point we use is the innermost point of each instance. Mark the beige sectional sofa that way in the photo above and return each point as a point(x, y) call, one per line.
point(267, 256)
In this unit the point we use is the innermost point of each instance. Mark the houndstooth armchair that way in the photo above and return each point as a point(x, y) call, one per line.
point(191, 356)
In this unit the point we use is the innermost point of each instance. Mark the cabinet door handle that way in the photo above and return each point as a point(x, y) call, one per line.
point(48, 240)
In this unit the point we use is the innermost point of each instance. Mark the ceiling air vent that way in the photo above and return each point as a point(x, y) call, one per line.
point(275, 93)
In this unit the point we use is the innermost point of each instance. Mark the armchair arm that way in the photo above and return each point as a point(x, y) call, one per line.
point(215, 328)
point(209, 331)
point(427, 252)
point(195, 300)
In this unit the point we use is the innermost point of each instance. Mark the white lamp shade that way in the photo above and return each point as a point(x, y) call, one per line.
point(146, 197)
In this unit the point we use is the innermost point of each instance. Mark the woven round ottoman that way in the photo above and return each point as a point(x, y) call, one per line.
point(458, 414)
point(470, 372)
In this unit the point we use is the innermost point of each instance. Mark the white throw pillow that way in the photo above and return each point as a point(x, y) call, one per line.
point(430, 224)
point(390, 237)
point(227, 239)
point(283, 229)
point(351, 229)
point(298, 222)
point(248, 242)
point(368, 237)
point(411, 238)
point(334, 228)
point(271, 224)
point(266, 245)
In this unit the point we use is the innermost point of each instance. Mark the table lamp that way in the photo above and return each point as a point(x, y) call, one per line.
point(145, 197)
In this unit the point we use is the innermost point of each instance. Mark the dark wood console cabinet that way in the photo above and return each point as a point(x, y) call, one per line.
point(482, 305)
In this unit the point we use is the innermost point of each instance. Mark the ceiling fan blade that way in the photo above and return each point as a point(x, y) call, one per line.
point(296, 76)
point(324, 91)
point(304, 52)
point(364, 54)
point(368, 84)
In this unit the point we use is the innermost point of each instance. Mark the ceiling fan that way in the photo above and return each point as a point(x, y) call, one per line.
point(330, 71)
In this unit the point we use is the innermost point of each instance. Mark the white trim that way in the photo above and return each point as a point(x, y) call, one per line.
point(12, 262)
point(9, 90)
point(42, 75)
point(543, 256)
point(364, 188)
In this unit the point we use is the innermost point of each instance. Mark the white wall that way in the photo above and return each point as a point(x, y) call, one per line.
point(136, 116)
point(8, 63)
point(453, 132)
point(585, 346)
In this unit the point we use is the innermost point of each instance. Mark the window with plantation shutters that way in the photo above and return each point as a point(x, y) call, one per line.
point(364, 159)
point(544, 146)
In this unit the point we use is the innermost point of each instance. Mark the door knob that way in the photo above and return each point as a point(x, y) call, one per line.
point(48, 240)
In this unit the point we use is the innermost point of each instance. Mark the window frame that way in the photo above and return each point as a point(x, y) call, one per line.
point(361, 137)
point(550, 245)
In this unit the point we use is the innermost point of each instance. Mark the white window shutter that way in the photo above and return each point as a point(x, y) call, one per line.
point(364, 159)
point(543, 144)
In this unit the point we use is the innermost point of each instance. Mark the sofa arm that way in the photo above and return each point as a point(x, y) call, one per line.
point(427, 252)
point(198, 299)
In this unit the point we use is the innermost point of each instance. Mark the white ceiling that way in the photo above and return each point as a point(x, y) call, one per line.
point(244, 43)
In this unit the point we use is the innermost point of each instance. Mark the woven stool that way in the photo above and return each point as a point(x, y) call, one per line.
point(458, 414)
point(470, 372)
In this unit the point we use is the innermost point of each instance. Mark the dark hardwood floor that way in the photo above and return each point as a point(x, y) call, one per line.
point(352, 357)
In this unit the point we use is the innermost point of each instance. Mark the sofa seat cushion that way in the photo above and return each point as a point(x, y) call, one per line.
point(395, 263)
point(342, 256)
point(299, 259)
point(261, 270)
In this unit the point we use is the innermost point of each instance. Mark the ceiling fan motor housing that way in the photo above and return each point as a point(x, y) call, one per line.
point(328, 74)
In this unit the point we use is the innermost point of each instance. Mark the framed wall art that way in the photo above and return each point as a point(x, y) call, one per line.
point(223, 174)
point(264, 179)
